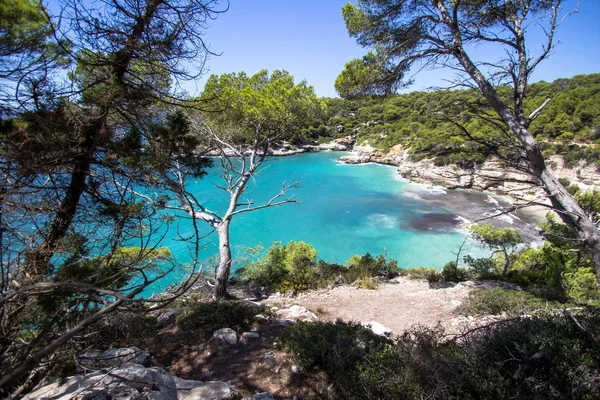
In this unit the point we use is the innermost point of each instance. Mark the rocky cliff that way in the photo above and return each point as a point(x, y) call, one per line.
point(492, 175)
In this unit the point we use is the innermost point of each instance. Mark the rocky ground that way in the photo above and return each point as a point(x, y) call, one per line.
point(177, 365)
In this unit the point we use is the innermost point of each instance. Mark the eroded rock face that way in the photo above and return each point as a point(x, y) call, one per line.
point(128, 382)
point(492, 175)
point(341, 144)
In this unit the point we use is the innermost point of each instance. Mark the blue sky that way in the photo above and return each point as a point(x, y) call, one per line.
point(308, 38)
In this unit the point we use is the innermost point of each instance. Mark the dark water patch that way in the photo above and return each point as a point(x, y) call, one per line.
point(431, 222)
point(483, 208)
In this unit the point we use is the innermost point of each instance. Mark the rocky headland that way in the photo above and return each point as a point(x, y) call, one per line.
point(492, 175)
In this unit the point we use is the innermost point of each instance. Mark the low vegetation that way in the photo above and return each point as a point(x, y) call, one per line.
point(206, 317)
point(422, 121)
point(294, 268)
point(548, 357)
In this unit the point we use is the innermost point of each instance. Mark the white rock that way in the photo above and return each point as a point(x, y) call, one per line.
point(192, 390)
point(128, 383)
point(226, 334)
point(378, 328)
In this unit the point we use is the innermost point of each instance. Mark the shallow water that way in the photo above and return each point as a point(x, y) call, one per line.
point(346, 210)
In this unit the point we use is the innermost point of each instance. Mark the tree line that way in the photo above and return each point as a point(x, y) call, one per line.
point(424, 122)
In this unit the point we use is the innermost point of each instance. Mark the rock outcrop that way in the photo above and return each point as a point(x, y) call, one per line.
point(491, 175)
point(113, 358)
point(341, 144)
point(131, 381)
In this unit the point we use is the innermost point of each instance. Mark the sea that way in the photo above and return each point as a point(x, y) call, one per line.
point(343, 210)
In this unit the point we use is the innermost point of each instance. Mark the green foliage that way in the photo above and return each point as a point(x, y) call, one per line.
point(287, 268)
point(294, 268)
point(495, 237)
point(362, 268)
point(259, 107)
point(26, 38)
point(332, 347)
point(546, 357)
point(513, 303)
point(422, 121)
point(451, 273)
point(581, 286)
point(205, 318)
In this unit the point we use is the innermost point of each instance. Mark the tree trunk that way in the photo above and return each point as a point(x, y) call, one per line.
point(562, 201)
point(224, 261)
point(506, 261)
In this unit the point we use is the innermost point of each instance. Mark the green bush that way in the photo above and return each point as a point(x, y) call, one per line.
point(430, 274)
point(546, 357)
point(581, 286)
point(335, 348)
point(451, 273)
point(293, 268)
point(363, 268)
point(511, 302)
point(287, 268)
point(208, 317)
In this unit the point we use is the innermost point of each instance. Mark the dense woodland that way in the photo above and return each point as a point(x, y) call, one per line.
point(428, 122)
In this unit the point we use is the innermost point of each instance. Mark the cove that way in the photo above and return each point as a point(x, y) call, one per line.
point(344, 210)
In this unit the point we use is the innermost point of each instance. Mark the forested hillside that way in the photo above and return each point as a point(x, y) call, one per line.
point(448, 124)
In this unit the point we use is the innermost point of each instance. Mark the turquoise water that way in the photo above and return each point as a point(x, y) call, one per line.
point(344, 210)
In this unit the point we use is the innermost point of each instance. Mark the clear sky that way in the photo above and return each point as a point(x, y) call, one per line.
point(308, 38)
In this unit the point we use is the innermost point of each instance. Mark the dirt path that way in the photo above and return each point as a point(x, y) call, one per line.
point(398, 304)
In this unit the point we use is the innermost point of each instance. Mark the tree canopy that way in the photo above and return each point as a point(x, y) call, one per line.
point(262, 107)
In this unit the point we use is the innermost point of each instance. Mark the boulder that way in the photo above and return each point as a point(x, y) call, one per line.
point(355, 159)
point(248, 337)
point(227, 335)
point(113, 358)
point(192, 390)
point(378, 328)
point(297, 313)
point(129, 382)
point(167, 318)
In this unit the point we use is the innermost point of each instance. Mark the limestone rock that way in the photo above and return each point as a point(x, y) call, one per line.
point(297, 313)
point(377, 328)
point(113, 358)
point(228, 335)
point(192, 390)
point(355, 159)
point(129, 382)
point(167, 318)
point(248, 337)
point(260, 396)
point(341, 144)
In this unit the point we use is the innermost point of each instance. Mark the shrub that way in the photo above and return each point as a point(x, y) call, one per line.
point(430, 274)
point(511, 302)
point(365, 267)
point(581, 286)
point(208, 317)
point(294, 268)
point(547, 357)
point(451, 273)
point(335, 348)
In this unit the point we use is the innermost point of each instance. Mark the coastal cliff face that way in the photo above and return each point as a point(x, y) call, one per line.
point(491, 175)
